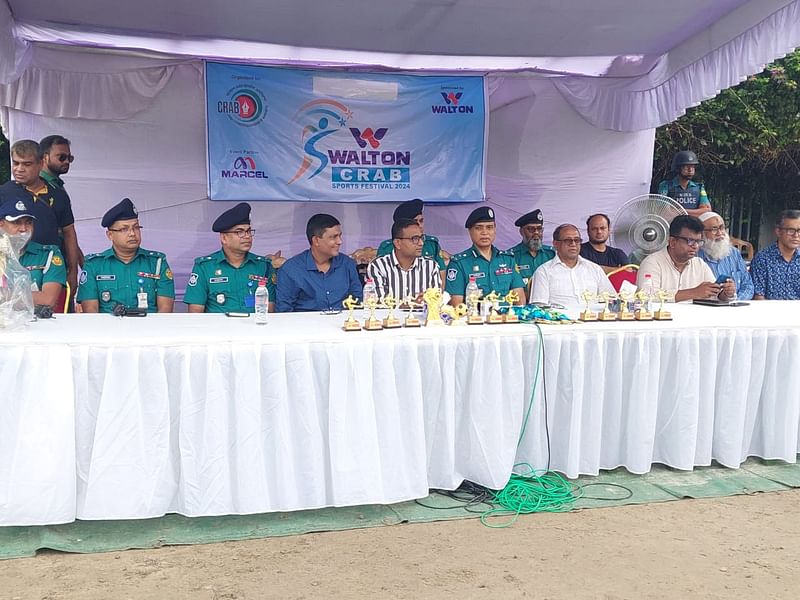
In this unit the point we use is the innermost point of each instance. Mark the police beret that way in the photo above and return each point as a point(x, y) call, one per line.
point(535, 217)
point(408, 210)
point(11, 210)
point(119, 212)
point(479, 215)
point(238, 215)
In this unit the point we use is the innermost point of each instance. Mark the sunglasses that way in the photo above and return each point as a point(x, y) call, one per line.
point(65, 157)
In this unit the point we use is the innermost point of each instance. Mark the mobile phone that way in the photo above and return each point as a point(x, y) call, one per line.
point(722, 279)
point(237, 314)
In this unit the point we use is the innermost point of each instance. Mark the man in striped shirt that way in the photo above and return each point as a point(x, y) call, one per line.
point(405, 273)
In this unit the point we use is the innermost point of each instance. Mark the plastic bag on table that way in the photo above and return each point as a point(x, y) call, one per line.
point(16, 297)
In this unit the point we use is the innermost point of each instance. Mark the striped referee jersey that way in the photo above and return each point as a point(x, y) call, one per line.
point(391, 278)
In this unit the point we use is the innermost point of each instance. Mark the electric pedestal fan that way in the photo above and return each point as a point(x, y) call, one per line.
point(641, 225)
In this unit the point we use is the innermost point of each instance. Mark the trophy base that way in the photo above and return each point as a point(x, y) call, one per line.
point(587, 316)
point(607, 316)
point(391, 323)
point(434, 323)
point(413, 322)
point(494, 319)
point(475, 320)
point(626, 316)
point(509, 318)
point(351, 325)
point(662, 315)
point(373, 324)
point(641, 315)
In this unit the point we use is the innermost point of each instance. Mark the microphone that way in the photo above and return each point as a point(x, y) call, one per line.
point(120, 310)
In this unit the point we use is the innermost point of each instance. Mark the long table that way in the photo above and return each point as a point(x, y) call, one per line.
point(117, 418)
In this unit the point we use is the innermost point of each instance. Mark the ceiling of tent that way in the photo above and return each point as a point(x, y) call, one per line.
point(519, 28)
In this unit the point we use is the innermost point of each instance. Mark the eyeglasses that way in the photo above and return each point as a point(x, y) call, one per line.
point(415, 239)
point(720, 229)
point(790, 230)
point(65, 157)
point(243, 233)
point(127, 230)
point(691, 242)
point(570, 241)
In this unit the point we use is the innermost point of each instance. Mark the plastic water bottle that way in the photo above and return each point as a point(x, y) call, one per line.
point(370, 293)
point(648, 289)
point(262, 302)
point(472, 291)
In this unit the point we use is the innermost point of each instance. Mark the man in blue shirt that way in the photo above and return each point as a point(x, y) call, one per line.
point(319, 278)
point(690, 195)
point(776, 268)
point(723, 258)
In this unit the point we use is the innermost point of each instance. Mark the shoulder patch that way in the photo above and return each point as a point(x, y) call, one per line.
point(57, 260)
point(168, 274)
point(193, 280)
point(451, 274)
point(84, 276)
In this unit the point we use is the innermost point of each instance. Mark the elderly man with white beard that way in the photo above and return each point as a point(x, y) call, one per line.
point(722, 257)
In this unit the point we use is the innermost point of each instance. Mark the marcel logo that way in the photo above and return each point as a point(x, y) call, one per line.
point(244, 167)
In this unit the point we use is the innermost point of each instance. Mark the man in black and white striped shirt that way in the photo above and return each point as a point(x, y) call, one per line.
point(405, 273)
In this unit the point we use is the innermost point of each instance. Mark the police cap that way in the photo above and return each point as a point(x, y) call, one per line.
point(238, 215)
point(408, 210)
point(482, 214)
point(11, 210)
point(119, 212)
point(534, 217)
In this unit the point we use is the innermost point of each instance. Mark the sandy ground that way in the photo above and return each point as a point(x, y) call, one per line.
point(744, 546)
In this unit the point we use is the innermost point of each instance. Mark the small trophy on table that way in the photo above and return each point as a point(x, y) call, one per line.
point(460, 312)
point(511, 298)
point(624, 313)
point(411, 319)
point(493, 318)
point(643, 313)
point(433, 299)
point(661, 314)
point(607, 315)
point(351, 323)
point(372, 324)
point(587, 314)
point(473, 309)
point(391, 321)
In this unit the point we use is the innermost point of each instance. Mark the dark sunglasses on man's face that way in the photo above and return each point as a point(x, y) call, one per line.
point(65, 157)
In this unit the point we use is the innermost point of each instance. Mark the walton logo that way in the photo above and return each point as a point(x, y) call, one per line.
point(368, 136)
point(451, 97)
point(244, 105)
point(244, 167)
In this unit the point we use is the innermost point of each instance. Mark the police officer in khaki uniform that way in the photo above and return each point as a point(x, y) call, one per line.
point(126, 274)
point(43, 261)
point(494, 270)
point(226, 280)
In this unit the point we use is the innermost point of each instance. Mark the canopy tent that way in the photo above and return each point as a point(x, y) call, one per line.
point(575, 93)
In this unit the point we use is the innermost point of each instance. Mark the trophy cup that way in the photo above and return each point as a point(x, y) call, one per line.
point(433, 299)
point(511, 298)
point(411, 320)
point(493, 318)
point(587, 314)
point(460, 312)
point(661, 314)
point(642, 313)
point(473, 309)
point(391, 321)
point(624, 313)
point(372, 324)
point(606, 315)
point(351, 323)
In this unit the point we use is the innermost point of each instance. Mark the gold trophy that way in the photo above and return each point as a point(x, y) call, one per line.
point(661, 314)
point(411, 320)
point(493, 318)
point(473, 309)
point(587, 314)
point(391, 321)
point(606, 315)
point(511, 298)
point(433, 298)
point(351, 323)
point(624, 313)
point(372, 324)
point(460, 312)
point(641, 313)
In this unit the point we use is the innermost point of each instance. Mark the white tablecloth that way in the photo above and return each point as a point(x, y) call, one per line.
point(112, 418)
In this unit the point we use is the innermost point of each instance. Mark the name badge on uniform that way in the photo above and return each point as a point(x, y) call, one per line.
point(478, 275)
point(218, 280)
point(221, 298)
point(105, 296)
point(106, 278)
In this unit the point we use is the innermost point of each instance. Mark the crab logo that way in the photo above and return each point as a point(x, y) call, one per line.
point(245, 105)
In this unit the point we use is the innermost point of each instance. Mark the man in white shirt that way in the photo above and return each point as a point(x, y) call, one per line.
point(564, 279)
point(678, 270)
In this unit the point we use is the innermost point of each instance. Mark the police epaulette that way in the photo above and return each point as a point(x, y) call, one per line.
point(202, 259)
point(92, 256)
point(155, 253)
